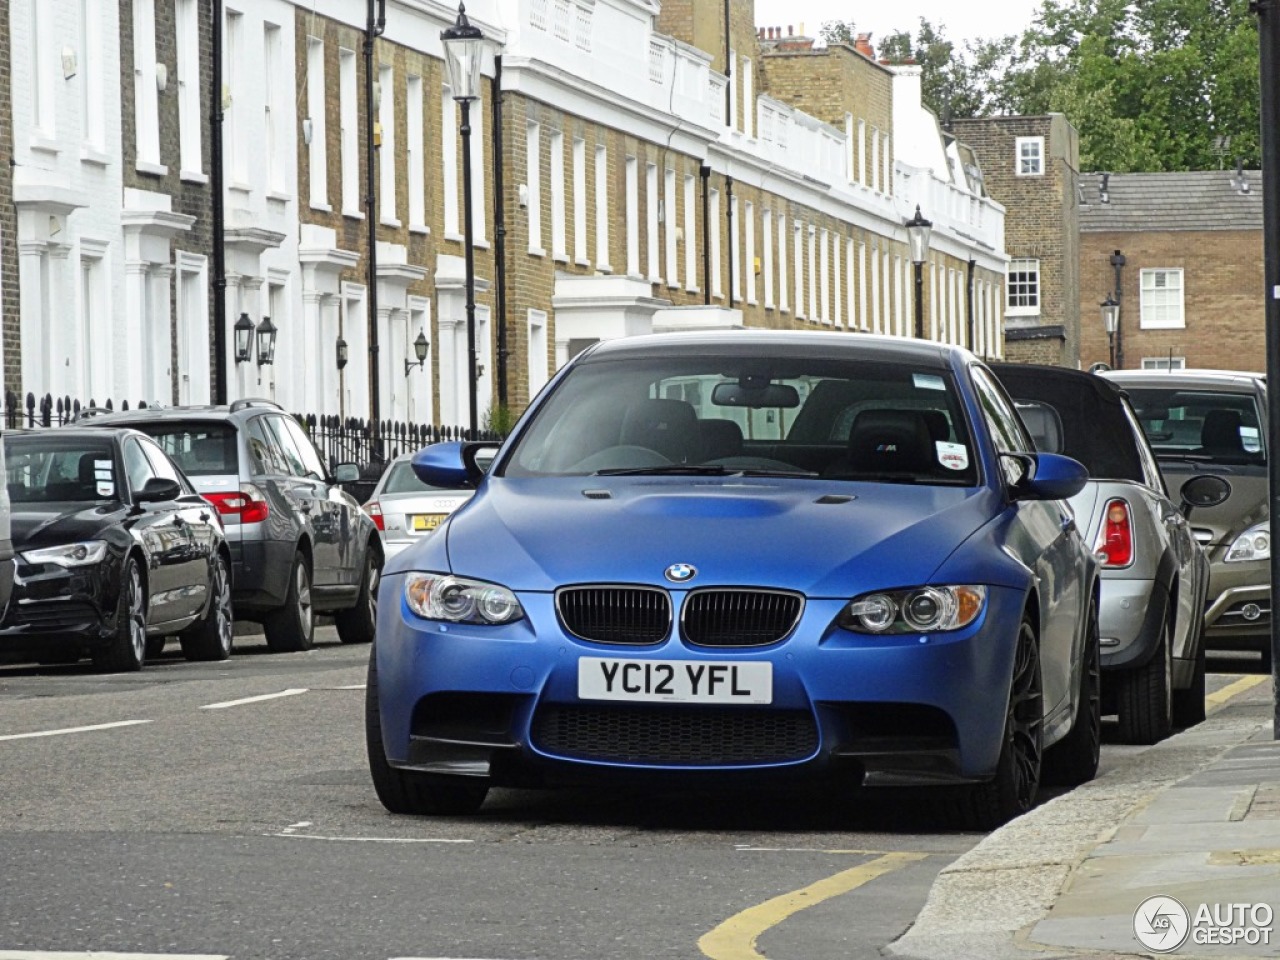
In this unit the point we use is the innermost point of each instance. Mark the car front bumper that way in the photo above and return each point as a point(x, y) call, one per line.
point(52, 606)
point(502, 702)
point(1238, 612)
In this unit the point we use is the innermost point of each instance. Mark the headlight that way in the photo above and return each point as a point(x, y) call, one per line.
point(434, 596)
point(69, 555)
point(919, 610)
point(1253, 544)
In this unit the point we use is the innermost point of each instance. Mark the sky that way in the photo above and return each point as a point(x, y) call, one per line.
point(961, 19)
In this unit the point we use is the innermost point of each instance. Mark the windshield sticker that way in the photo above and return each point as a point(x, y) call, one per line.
point(106, 488)
point(925, 381)
point(953, 456)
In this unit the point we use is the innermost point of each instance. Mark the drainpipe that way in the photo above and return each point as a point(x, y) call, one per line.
point(374, 27)
point(1118, 262)
point(969, 303)
point(705, 172)
point(217, 213)
point(729, 118)
point(728, 212)
point(499, 232)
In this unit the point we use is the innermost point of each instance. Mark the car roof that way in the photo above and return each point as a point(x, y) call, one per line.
point(1239, 379)
point(208, 412)
point(1107, 389)
point(72, 432)
point(776, 343)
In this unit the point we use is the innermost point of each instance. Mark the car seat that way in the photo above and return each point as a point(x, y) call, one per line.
point(720, 439)
point(886, 442)
point(669, 427)
point(1220, 435)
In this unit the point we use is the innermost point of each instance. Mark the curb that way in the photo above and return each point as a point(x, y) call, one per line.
point(984, 904)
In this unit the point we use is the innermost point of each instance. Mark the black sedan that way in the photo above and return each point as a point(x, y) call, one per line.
point(115, 551)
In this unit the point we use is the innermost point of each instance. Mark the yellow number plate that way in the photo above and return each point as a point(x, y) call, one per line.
point(426, 521)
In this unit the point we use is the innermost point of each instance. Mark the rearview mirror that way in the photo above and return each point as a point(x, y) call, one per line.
point(731, 394)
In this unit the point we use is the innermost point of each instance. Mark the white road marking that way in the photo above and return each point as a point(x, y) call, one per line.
point(58, 733)
point(291, 692)
point(315, 836)
point(350, 686)
point(98, 955)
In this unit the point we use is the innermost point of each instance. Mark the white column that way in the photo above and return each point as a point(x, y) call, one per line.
point(314, 356)
point(387, 352)
point(161, 386)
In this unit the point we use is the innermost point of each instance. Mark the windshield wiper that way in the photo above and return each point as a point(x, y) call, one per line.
point(759, 472)
point(670, 469)
point(1185, 457)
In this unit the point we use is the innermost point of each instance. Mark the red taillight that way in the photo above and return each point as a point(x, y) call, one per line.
point(374, 509)
point(246, 504)
point(1115, 539)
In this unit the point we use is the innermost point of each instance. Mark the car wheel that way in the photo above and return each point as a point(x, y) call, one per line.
point(404, 791)
point(128, 647)
point(210, 639)
point(155, 647)
point(1144, 696)
point(1188, 704)
point(1073, 760)
point(1012, 791)
point(356, 625)
point(292, 627)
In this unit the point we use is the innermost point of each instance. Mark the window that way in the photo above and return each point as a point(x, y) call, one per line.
point(875, 159)
point(387, 148)
point(42, 83)
point(815, 305)
point(797, 231)
point(162, 466)
point(414, 147)
point(748, 97)
point(136, 465)
point(602, 208)
point(348, 133)
point(749, 264)
point(766, 245)
point(146, 104)
point(538, 358)
point(1162, 299)
point(274, 114)
point(633, 216)
point(861, 174)
point(651, 202)
point(190, 126)
point(735, 250)
point(316, 152)
point(235, 117)
point(888, 165)
point(580, 201)
point(782, 263)
point(1023, 288)
point(1030, 159)
point(449, 162)
point(732, 120)
point(690, 236)
point(533, 184)
point(1164, 363)
point(559, 248)
point(668, 226)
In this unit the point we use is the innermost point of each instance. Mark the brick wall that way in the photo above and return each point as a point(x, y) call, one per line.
point(189, 197)
point(1041, 219)
point(9, 322)
point(1223, 307)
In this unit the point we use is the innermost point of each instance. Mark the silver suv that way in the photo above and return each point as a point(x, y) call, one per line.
point(300, 544)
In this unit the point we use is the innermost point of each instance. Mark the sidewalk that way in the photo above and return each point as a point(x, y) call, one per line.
point(1196, 818)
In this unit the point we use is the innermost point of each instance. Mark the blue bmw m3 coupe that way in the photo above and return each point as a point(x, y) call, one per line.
point(745, 555)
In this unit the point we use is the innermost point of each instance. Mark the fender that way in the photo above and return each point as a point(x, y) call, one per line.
point(1142, 649)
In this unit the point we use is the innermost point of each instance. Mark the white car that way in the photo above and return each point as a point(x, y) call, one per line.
point(404, 509)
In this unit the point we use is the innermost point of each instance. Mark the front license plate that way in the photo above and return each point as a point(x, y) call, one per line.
point(674, 681)
point(426, 521)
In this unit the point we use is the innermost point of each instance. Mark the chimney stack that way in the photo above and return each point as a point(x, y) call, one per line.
point(863, 45)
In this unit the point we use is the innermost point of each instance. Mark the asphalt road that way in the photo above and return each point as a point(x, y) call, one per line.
point(224, 810)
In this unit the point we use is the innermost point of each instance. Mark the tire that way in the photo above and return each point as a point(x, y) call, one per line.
point(210, 639)
point(1188, 704)
point(1073, 760)
point(1144, 696)
point(155, 647)
point(127, 650)
point(292, 628)
point(404, 791)
point(356, 624)
point(1013, 789)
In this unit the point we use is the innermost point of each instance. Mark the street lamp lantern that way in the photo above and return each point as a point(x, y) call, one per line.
point(342, 352)
point(463, 54)
point(420, 347)
point(919, 231)
point(266, 342)
point(244, 338)
point(1111, 323)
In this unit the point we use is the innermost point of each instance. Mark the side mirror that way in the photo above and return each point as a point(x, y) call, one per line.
point(1050, 476)
point(157, 489)
point(453, 466)
point(1203, 490)
point(346, 473)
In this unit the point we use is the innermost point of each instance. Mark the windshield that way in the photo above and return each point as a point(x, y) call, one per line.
point(722, 415)
point(200, 449)
point(1212, 426)
point(49, 469)
point(402, 479)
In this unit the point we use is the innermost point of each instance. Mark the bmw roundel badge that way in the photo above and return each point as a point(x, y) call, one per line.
point(681, 572)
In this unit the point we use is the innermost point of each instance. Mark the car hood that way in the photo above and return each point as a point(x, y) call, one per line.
point(539, 534)
point(52, 524)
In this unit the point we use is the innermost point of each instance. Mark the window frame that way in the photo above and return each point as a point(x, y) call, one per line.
point(1022, 310)
point(1019, 159)
point(1149, 322)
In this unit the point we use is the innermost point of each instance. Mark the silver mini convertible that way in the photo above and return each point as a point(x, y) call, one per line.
point(1154, 574)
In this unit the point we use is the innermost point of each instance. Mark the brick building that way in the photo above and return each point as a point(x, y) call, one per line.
point(1182, 253)
point(1031, 166)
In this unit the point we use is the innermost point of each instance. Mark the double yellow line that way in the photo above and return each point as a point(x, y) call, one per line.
point(1218, 699)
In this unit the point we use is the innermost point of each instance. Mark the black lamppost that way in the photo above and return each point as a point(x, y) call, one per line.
point(420, 347)
point(1110, 322)
point(918, 231)
point(244, 339)
point(463, 53)
point(266, 342)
